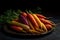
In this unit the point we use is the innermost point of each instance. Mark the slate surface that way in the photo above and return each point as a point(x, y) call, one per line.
point(55, 35)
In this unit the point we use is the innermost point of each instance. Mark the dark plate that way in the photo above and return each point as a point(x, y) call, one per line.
point(11, 33)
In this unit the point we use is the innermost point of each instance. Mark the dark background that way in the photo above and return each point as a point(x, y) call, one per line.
point(51, 8)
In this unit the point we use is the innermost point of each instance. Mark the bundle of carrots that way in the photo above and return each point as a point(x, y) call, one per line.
point(28, 22)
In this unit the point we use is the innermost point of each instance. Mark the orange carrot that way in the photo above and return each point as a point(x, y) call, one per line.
point(45, 21)
point(48, 26)
point(40, 15)
point(32, 28)
point(34, 23)
point(17, 28)
point(32, 20)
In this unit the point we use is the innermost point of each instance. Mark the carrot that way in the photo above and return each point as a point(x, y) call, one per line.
point(24, 14)
point(34, 32)
point(17, 28)
point(23, 20)
point(34, 23)
point(32, 28)
point(41, 25)
point(25, 27)
point(45, 21)
point(48, 26)
point(30, 24)
point(32, 20)
point(40, 15)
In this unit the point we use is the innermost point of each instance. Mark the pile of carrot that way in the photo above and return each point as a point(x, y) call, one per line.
point(28, 22)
